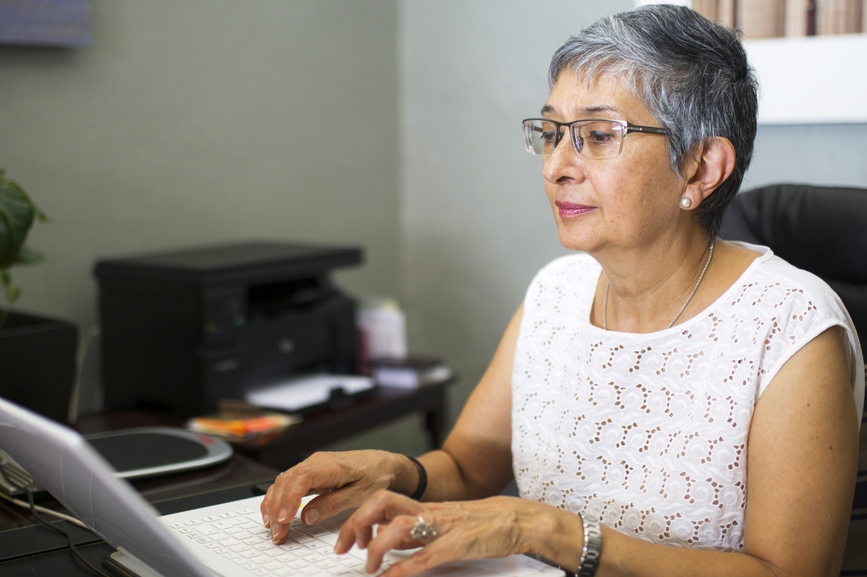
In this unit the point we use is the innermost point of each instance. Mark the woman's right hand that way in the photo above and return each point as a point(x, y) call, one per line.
point(341, 480)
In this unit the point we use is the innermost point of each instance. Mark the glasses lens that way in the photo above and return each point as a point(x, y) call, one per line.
point(598, 138)
point(591, 138)
point(540, 137)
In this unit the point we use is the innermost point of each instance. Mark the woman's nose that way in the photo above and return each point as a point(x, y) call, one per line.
point(563, 160)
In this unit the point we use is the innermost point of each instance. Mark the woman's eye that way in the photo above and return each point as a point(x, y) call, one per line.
point(597, 137)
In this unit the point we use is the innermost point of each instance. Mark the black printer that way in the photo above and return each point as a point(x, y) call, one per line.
point(183, 329)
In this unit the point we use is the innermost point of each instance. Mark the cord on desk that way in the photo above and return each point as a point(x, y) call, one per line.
point(41, 509)
point(37, 511)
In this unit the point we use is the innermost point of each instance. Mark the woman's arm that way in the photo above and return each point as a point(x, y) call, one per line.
point(802, 458)
point(476, 458)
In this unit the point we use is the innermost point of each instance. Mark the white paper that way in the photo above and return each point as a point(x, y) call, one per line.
point(299, 393)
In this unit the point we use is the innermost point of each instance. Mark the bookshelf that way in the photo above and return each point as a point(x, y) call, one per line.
point(803, 78)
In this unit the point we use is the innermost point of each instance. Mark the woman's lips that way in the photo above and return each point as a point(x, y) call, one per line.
point(568, 209)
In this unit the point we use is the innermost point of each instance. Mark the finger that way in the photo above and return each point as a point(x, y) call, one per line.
point(430, 553)
point(328, 504)
point(283, 499)
point(320, 473)
point(388, 537)
point(425, 558)
point(351, 534)
point(395, 535)
point(382, 507)
point(265, 506)
point(276, 521)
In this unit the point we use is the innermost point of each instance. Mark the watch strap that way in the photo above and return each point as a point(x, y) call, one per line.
point(592, 549)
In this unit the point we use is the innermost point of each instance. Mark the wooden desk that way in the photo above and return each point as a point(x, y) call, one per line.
point(284, 449)
point(385, 404)
point(29, 549)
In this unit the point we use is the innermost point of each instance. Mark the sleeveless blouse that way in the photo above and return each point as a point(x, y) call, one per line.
point(648, 432)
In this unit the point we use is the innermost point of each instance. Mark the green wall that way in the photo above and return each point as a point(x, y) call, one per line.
point(392, 124)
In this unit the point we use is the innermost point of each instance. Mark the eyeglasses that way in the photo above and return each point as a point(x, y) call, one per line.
point(591, 138)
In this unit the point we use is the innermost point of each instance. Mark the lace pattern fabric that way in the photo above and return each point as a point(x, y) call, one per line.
point(648, 432)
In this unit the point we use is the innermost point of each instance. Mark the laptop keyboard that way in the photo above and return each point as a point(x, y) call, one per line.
point(239, 537)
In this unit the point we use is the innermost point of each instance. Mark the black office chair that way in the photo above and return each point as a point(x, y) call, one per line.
point(823, 230)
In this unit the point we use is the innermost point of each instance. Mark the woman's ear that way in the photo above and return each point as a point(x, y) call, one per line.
point(710, 165)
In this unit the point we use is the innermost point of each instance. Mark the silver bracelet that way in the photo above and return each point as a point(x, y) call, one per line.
point(592, 549)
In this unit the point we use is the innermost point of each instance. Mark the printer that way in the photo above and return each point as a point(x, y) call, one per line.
point(182, 330)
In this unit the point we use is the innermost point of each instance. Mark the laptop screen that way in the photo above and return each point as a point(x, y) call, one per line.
point(63, 462)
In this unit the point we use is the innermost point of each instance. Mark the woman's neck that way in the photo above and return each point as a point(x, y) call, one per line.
point(652, 294)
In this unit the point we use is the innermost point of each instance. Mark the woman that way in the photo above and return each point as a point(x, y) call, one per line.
point(668, 402)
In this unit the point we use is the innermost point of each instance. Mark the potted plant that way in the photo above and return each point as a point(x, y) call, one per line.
point(37, 353)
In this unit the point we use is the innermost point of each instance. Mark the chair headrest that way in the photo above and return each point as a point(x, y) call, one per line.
point(818, 228)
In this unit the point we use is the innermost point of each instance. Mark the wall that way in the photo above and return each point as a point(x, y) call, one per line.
point(390, 124)
point(189, 122)
point(477, 222)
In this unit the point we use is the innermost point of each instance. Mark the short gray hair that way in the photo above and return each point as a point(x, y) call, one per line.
point(691, 74)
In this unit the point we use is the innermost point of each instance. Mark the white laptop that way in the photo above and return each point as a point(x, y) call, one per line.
point(226, 540)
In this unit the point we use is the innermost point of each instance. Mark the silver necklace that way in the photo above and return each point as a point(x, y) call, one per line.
point(683, 308)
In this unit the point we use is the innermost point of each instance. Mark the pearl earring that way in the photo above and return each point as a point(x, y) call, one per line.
point(685, 202)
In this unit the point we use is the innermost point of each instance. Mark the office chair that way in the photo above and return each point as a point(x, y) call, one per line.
point(823, 230)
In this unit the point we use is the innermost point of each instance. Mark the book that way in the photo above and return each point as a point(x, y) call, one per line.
point(761, 18)
point(839, 16)
point(238, 421)
point(308, 393)
point(410, 372)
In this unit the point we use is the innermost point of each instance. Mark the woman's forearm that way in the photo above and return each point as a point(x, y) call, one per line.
point(558, 536)
point(449, 478)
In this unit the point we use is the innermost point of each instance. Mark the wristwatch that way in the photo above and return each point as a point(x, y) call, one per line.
point(592, 547)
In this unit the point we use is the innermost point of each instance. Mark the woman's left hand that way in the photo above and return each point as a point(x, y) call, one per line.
point(493, 527)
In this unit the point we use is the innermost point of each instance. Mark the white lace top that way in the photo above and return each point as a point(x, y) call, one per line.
point(648, 432)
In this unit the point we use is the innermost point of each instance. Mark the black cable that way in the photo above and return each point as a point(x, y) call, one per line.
point(28, 488)
point(72, 546)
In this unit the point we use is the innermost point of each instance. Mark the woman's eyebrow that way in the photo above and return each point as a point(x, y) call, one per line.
point(583, 110)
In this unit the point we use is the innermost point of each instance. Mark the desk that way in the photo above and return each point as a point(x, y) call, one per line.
point(284, 449)
point(21, 538)
point(385, 404)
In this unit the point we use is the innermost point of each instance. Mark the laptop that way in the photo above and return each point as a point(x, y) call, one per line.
point(62, 462)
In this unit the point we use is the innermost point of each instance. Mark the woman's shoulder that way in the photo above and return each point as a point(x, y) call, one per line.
point(788, 299)
point(794, 305)
point(770, 270)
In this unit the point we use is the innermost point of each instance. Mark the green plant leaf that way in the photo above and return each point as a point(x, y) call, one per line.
point(12, 293)
point(28, 256)
point(17, 213)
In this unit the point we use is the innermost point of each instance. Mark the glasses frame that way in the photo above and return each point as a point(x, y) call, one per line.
point(627, 128)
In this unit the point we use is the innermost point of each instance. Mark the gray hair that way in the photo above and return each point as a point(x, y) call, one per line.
point(691, 74)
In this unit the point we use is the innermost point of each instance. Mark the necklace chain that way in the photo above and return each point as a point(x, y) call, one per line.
point(685, 304)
